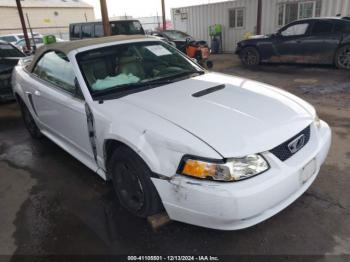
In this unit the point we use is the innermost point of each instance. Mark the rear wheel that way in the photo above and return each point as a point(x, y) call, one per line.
point(132, 183)
point(29, 122)
point(342, 57)
point(250, 56)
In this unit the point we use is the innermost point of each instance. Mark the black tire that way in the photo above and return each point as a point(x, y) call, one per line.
point(342, 57)
point(29, 121)
point(132, 183)
point(250, 56)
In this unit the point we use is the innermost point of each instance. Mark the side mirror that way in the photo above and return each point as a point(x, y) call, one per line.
point(188, 40)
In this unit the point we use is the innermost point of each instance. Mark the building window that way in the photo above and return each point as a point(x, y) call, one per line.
point(307, 10)
point(236, 17)
point(291, 11)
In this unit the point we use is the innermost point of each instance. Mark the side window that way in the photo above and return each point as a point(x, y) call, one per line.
point(76, 31)
point(295, 30)
point(322, 27)
point(55, 68)
point(86, 31)
point(342, 27)
point(99, 30)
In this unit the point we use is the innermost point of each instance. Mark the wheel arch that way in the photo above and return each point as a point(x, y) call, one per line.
point(18, 98)
point(111, 144)
point(252, 46)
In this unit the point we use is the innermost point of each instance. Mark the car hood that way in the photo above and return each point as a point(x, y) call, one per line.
point(258, 37)
point(255, 39)
point(242, 117)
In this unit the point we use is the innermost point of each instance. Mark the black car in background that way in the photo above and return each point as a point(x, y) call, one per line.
point(313, 41)
point(95, 29)
point(9, 56)
point(180, 39)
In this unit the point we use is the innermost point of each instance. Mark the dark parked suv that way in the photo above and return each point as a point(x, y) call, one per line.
point(95, 29)
point(314, 41)
point(9, 56)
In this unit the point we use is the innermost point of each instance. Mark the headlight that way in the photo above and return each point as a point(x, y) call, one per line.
point(234, 169)
point(317, 121)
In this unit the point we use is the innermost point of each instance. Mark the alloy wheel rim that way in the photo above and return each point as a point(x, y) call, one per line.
point(250, 58)
point(344, 58)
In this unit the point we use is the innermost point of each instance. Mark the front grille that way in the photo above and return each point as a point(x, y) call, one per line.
point(282, 151)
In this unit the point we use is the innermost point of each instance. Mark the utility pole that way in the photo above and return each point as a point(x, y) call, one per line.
point(158, 23)
point(23, 23)
point(105, 19)
point(31, 32)
point(163, 15)
point(258, 25)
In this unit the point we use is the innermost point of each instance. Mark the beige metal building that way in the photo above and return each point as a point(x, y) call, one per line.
point(45, 16)
point(239, 17)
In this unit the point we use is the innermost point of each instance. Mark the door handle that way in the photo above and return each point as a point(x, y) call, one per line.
point(37, 93)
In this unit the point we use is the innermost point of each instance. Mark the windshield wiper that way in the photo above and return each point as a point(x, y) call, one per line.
point(130, 88)
point(127, 88)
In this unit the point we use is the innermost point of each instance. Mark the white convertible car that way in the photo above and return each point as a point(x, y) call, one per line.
point(212, 150)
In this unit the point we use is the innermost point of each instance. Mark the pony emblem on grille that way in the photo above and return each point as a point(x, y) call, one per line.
point(296, 144)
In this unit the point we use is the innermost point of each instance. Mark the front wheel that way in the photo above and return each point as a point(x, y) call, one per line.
point(250, 56)
point(342, 57)
point(132, 183)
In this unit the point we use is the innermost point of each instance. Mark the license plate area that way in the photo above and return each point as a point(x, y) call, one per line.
point(307, 171)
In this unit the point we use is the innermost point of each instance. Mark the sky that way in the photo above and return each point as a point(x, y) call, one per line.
point(140, 8)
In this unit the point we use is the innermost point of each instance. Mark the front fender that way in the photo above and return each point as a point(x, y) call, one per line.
point(160, 143)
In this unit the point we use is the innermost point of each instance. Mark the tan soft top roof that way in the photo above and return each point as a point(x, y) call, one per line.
point(66, 47)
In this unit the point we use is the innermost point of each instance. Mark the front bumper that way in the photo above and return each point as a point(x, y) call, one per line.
point(232, 206)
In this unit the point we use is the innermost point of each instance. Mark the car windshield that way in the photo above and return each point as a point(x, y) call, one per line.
point(176, 35)
point(126, 67)
point(29, 35)
point(36, 40)
point(9, 51)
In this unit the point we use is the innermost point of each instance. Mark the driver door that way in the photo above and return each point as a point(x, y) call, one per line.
point(57, 104)
point(289, 42)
